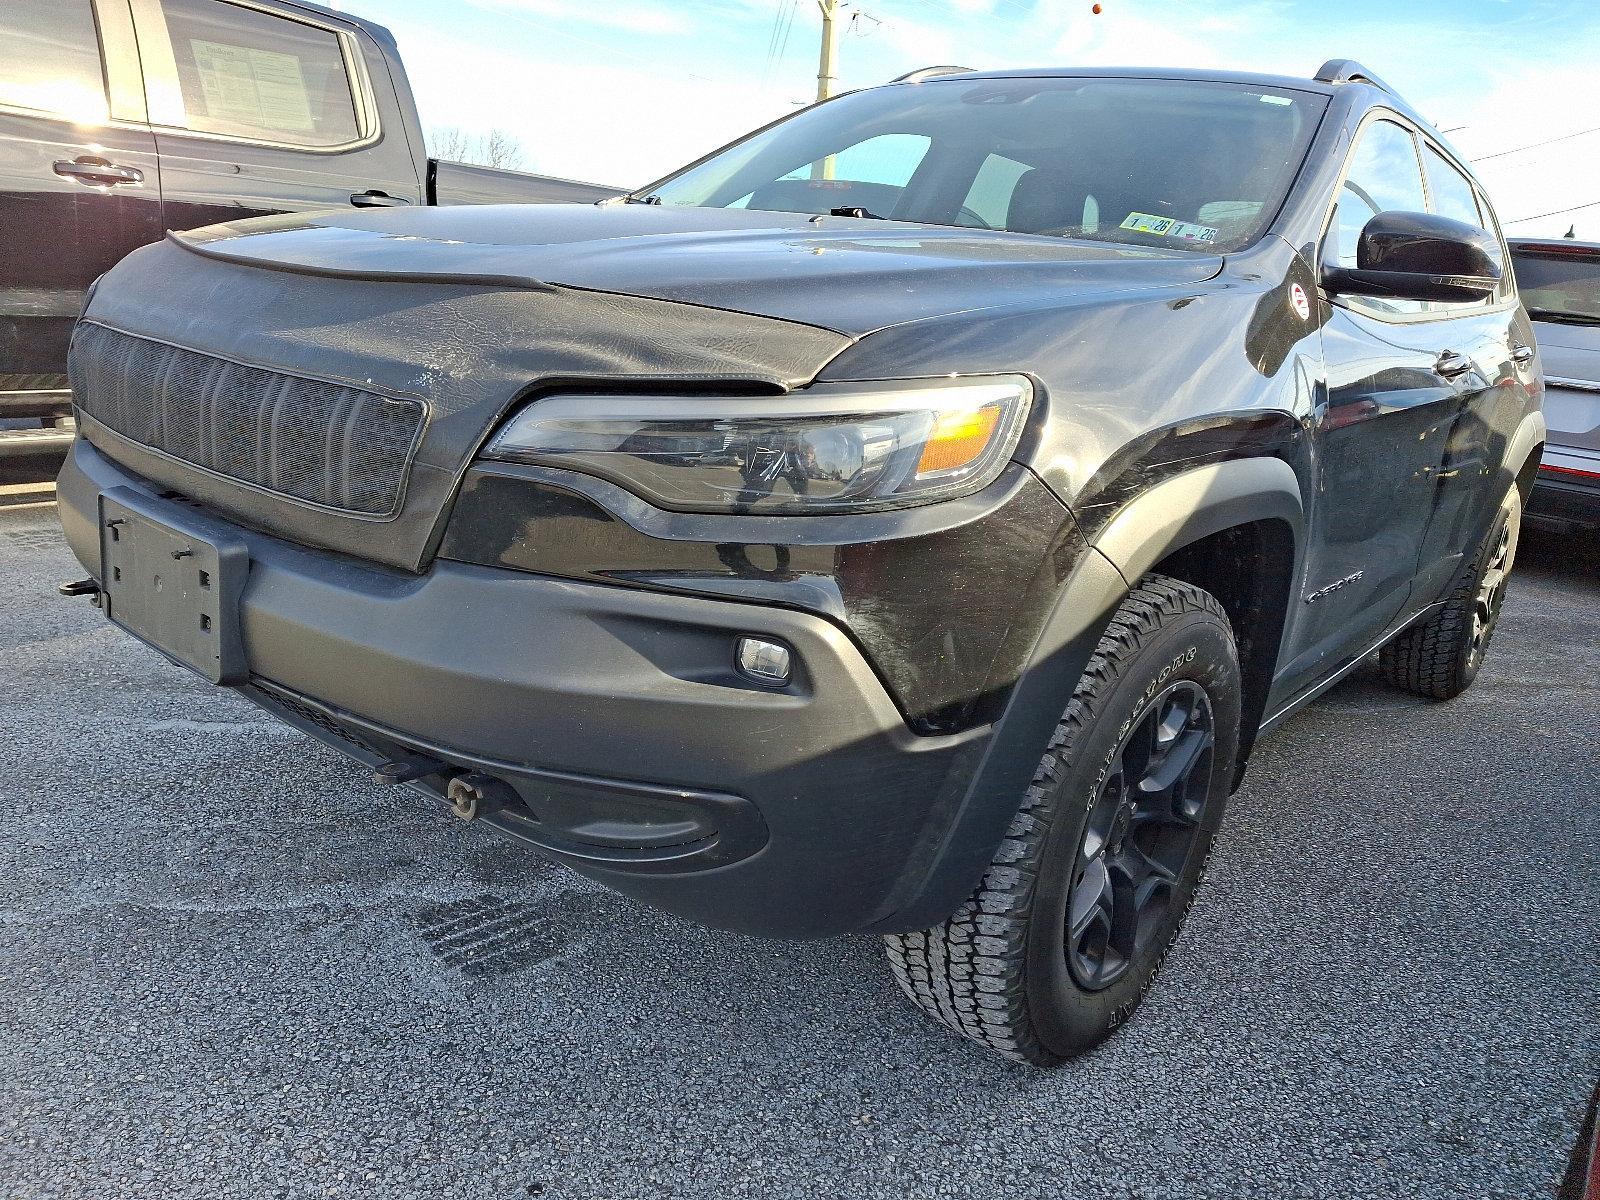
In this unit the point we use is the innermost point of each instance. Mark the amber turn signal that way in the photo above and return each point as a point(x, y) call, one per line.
point(957, 439)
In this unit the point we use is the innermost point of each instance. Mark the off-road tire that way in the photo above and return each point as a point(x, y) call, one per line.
point(1439, 658)
point(1000, 970)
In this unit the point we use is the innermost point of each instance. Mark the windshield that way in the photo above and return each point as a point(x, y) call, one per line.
point(1154, 162)
point(1557, 281)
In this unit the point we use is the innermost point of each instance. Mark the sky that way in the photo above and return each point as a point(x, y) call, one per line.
point(624, 91)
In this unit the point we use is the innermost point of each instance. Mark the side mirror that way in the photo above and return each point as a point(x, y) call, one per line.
point(1420, 256)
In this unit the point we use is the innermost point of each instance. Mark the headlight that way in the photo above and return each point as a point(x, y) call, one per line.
point(828, 448)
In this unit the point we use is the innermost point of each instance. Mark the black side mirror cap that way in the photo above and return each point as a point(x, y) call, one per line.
point(1420, 256)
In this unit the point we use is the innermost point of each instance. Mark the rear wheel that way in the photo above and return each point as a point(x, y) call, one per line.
point(1440, 657)
point(1073, 919)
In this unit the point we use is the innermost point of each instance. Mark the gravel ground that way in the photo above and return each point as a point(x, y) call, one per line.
point(230, 966)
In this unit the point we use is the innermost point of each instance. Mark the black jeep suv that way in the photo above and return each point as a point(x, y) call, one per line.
point(904, 520)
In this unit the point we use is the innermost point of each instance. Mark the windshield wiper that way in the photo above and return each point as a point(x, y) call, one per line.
point(652, 198)
point(854, 210)
point(1559, 316)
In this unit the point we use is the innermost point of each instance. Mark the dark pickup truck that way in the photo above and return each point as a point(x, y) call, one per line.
point(238, 110)
point(807, 573)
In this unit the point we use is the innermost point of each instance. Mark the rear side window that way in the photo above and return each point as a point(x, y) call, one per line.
point(50, 59)
point(250, 74)
point(1453, 196)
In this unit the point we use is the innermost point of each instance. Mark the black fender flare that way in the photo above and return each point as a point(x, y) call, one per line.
point(1168, 516)
point(1182, 509)
point(1527, 441)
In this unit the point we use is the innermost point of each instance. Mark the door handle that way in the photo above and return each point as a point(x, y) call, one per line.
point(1521, 353)
point(377, 199)
point(94, 171)
point(1451, 364)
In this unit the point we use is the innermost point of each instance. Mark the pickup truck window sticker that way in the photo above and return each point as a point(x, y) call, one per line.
point(1185, 231)
point(253, 87)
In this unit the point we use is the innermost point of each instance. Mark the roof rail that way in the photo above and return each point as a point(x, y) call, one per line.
point(1348, 70)
point(930, 73)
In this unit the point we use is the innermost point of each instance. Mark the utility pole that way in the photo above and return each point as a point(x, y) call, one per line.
point(826, 78)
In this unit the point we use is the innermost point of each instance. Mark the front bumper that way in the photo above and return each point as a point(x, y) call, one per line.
point(607, 725)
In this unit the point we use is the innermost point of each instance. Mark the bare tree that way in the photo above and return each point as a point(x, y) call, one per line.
point(449, 143)
point(497, 148)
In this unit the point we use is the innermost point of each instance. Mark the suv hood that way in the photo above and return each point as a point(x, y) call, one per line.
point(844, 274)
point(329, 378)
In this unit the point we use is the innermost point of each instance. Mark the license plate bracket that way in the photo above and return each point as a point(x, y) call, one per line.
point(173, 577)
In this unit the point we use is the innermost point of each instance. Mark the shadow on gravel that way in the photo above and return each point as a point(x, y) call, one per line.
point(1572, 558)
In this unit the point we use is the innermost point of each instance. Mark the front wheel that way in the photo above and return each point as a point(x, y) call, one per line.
point(1073, 918)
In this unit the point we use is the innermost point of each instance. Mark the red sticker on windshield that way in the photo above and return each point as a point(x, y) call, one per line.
point(1298, 302)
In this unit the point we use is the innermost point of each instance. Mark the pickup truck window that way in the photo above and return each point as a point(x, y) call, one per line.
point(250, 74)
point(1176, 164)
point(50, 59)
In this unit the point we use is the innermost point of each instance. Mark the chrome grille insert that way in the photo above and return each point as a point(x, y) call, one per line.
point(324, 443)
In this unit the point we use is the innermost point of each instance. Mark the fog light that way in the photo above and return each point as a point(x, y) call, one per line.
point(763, 661)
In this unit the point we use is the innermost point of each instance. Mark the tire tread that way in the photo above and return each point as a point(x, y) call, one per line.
point(967, 973)
point(1432, 658)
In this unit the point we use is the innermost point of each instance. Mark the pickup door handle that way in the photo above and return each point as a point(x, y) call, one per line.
point(1451, 364)
point(94, 171)
point(1521, 353)
point(377, 199)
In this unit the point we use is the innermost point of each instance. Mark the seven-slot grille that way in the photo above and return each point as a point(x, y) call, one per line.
point(332, 445)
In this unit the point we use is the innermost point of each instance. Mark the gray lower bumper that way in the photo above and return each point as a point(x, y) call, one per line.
point(600, 709)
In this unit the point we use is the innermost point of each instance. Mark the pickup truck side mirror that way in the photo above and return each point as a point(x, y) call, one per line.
point(1420, 256)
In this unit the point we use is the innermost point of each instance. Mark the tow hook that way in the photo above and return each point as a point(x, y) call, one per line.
point(406, 770)
point(81, 587)
point(465, 793)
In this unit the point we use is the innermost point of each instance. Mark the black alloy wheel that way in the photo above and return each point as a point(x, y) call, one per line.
point(1141, 830)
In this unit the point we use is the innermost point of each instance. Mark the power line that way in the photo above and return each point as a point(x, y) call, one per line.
point(1558, 212)
point(1565, 137)
point(788, 28)
point(778, 39)
point(772, 35)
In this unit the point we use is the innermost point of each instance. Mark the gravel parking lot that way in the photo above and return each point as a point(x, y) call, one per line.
point(231, 966)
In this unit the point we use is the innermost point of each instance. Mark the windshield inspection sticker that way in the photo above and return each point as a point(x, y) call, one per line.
point(1167, 227)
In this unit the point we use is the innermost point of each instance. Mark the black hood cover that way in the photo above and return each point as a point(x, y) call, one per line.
point(467, 351)
point(846, 274)
point(468, 310)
